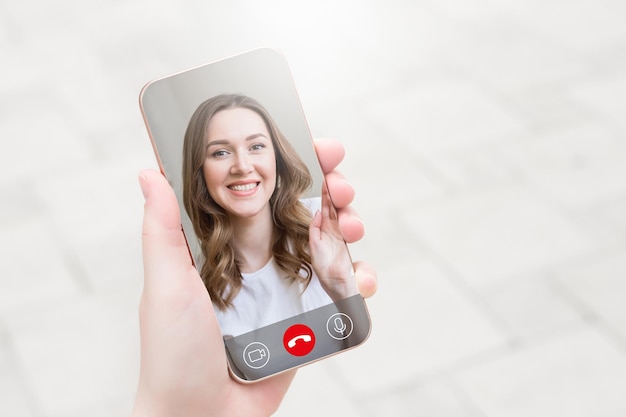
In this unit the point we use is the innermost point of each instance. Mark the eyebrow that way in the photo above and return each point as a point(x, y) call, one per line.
point(226, 141)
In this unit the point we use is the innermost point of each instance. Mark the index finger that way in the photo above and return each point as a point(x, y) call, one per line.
point(330, 153)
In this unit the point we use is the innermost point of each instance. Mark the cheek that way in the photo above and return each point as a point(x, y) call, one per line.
point(270, 173)
point(274, 181)
point(210, 176)
point(270, 166)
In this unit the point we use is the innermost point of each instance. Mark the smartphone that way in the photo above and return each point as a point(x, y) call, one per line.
point(232, 140)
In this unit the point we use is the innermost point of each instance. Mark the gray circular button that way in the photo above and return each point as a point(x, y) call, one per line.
point(339, 326)
point(256, 355)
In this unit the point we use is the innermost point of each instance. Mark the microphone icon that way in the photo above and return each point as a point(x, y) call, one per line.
point(340, 326)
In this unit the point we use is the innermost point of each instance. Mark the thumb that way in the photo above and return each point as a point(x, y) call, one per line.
point(165, 251)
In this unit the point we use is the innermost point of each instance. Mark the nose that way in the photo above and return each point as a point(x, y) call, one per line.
point(241, 164)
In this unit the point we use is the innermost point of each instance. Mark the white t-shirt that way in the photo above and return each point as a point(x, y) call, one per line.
point(267, 296)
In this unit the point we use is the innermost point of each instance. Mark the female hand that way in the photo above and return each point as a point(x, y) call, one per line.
point(183, 368)
point(329, 255)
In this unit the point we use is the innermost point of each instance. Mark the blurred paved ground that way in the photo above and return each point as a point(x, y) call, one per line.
point(486, 140)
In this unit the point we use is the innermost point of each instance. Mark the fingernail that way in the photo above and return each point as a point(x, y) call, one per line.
point(145, 188)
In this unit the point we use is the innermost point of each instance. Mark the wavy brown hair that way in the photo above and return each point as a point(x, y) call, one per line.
point(220, 270)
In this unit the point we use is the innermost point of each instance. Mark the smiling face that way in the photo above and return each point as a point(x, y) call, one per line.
point(240, 164)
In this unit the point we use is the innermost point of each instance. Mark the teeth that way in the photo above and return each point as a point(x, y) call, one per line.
point(245, 187)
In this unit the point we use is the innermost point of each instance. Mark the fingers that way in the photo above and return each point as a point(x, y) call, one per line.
point(366, 279)
point(165, 252)
point(341, 192)
point(330, 153)
point(350, 225)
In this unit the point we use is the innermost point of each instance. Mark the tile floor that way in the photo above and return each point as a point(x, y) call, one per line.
point(487, 143)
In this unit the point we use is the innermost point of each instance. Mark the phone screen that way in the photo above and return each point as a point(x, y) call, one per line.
point(232, 140)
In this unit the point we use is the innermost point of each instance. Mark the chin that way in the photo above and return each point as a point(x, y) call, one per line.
point(245, 214)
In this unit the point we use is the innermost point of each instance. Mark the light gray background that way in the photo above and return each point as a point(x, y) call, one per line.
point(485, 139)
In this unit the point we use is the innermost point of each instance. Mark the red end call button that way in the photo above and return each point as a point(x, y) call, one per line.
point(299, 340)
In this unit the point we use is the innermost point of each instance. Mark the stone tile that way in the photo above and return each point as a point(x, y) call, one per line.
point(400, 47)
point(475, 166)
point(39, 61)
point(605, 97)
point(121, 406)
point(509, 55)
point(4, 348)
point(22, 71)
point(577, 167)
point(421, 324)
point(610, 214)
point(549, 107)
point(13, 400)
point(576, 374)
point(34, 270)
point(440, 114)
point(99, 208)
point(108, 190)
point(19, 204)
point(530, 306)
point(103, 105)
point(362, 50)
point(599, 284)
point(562, 23)
point(431, 398)
point(387, 242)
point(386, 404)
point(469, 12)
point(113, 264)
point(491, 234)
point(136, 16)
point(383, 184)
point(49, 145)
point(81, 352)
point(14, 396)
point(617, 6)
point(315, 392)
point(45, 18)
point(125, 141)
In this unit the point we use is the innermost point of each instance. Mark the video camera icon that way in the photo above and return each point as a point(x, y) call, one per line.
point(256, 355)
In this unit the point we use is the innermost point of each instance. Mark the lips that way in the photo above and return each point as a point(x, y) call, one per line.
point(244, 187)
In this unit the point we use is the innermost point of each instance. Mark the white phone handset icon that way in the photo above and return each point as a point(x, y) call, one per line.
point(305, 337)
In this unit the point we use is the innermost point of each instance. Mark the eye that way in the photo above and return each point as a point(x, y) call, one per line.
point(219, 154)
point(257, 147)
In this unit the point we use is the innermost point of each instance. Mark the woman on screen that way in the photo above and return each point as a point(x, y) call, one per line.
point(268, 253)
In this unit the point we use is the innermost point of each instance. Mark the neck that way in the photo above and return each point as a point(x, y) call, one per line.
point(252, 241)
